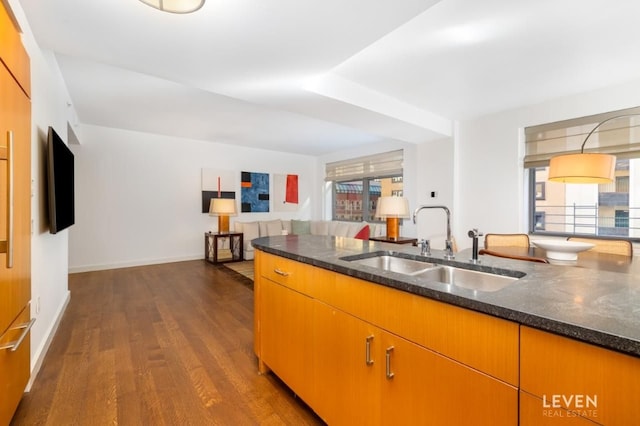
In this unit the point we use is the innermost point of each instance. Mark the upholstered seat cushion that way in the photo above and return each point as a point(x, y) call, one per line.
point(270, 228)
point(300, 227)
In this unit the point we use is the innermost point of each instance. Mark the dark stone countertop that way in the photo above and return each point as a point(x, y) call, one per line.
point(596, 306)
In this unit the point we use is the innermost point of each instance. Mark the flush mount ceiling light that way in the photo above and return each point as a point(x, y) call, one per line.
point(175, 6)
point(584, 167)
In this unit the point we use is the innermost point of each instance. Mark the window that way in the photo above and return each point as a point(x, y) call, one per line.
point(358, 183)
point(611, 210)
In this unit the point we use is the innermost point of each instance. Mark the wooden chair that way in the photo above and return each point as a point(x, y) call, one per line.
point(506, 240)
point(620, 247)
point(495, 241)
point(513, 256)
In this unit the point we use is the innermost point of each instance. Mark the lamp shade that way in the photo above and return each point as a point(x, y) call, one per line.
point(392, 207)
point(582, 168)
point(175, 6)
point(585, 167)
point(222, 206)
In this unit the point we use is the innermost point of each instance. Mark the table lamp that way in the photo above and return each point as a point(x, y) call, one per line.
point(223, 208)
point(392, 209)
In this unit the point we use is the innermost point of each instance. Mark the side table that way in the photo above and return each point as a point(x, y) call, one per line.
point(400, 240)
point(221, 248)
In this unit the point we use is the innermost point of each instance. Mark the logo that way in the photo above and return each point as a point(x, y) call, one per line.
point(572, 405)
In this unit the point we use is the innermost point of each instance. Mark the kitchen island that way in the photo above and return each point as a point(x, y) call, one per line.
point(543, 347)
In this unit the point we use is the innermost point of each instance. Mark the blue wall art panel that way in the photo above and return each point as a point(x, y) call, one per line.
point(254, 192)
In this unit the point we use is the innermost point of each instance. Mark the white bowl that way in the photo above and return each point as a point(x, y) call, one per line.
point(561, 249)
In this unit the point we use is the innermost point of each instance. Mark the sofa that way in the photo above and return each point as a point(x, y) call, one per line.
point(267, 228)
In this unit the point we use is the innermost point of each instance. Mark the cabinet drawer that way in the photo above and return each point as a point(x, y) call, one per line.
point(480, 341)
point(14, 367)
point(601, 384)
point(294, 275)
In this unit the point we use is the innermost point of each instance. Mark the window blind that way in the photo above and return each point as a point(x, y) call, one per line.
point(620, 137)
point(371, 166)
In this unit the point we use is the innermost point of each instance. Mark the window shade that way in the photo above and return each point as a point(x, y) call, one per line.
point(620, 137)
point(371, 166)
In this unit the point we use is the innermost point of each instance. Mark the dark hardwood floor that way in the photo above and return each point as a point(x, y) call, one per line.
point(167, 344)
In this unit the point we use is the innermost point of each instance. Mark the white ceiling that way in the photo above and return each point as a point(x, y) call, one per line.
point(318, 76)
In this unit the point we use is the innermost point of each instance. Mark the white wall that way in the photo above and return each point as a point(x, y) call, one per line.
point(435, 173)
point(138, 195)
point(49, 253)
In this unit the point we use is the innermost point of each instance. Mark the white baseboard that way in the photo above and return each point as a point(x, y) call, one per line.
point(129, 264)
point(44, 347)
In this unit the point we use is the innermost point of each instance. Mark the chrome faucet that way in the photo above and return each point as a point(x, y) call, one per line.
point(474, 234)
point(448, 250)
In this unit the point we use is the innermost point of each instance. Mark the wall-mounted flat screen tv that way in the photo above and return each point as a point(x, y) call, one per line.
point(60, 183)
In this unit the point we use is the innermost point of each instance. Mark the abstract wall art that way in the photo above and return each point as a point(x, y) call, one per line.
point(285, 193)
point(217, 184)
point(254, 192)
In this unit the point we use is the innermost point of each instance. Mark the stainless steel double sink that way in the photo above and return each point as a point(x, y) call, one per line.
point(442, 273)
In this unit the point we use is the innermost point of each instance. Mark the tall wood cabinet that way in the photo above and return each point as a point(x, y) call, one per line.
point(15, 217)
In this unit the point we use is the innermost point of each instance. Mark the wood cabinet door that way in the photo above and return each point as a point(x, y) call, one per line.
point(422, 387)
point(15, 282)
point(565, 374)
point(394, 381)
point(347, 368)
point(286, 336)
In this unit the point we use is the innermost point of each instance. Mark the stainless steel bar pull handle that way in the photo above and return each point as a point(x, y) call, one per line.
point(281, 272)
point(6, 246)
point(388, 359)
point(367, 351)
point(14, 345)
